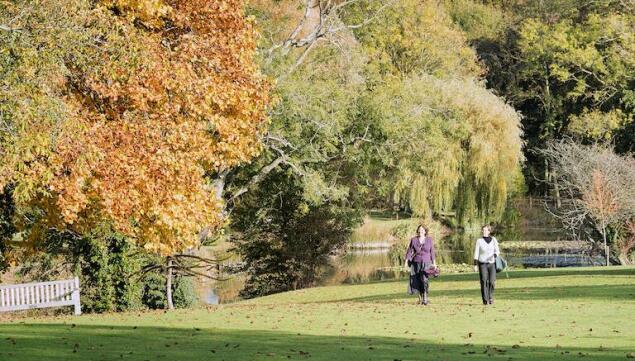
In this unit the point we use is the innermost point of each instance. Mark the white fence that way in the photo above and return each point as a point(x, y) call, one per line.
point(40, 295)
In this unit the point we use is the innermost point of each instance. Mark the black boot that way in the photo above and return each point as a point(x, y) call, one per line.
point(425, 294)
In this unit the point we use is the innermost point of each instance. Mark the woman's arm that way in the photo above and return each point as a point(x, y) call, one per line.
point(409, 255)
point(476, 254)
point(432, 254)
point(497, 250)
point(476, 251)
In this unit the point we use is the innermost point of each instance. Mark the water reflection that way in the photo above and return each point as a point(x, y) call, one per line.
point(211, 297)
point(226, 290)
point(456, 248)
point(556, 260)
point(519, 249)
point(536, 248)
point(361, 265)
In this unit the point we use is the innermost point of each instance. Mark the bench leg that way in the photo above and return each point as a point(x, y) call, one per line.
point(78, 309)
point(76, 303)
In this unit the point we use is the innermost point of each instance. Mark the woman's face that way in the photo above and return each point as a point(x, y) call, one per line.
point(486, 231)
point(421, 231)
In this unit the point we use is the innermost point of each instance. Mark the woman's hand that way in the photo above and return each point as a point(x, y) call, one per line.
point(405, 267)
point(475, 268)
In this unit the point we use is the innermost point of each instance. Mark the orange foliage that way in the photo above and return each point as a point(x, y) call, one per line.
point(145, 138)
point(600, 199)
point(629, 242)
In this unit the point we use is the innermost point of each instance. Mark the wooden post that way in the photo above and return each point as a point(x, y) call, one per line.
point(75, 297)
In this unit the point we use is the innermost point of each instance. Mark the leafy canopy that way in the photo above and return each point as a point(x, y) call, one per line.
point(122, 109)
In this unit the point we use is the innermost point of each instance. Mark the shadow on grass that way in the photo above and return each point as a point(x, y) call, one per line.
point(22, 342)
point(618, 293)
point(530, 273)
point(553, 272)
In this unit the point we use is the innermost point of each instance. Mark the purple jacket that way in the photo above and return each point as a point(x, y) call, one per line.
point(420, 252)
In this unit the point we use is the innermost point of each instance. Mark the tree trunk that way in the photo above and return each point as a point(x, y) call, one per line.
point(219, 185)
point(547, 178)
point(556, 189)
point(531, 202)
point(168, 284)
point(606, 247)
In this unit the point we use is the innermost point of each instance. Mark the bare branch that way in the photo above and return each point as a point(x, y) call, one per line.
point(280, 140)
point(320, 20)
point(7, 28)
point(300, 59)
point(296, 31)
point(202, 259)
point(257, 178)
point(597, 186)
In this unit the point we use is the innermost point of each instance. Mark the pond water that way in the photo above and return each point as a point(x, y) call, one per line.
point(535, 248)
point(217, 292)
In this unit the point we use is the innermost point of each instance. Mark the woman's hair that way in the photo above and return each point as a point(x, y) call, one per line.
point(424, 228)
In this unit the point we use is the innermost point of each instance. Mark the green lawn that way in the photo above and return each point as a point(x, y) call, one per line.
point(570, 314)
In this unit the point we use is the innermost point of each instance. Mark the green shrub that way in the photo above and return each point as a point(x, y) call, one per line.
point(153, 292)
point(7, 229)
point(105, 263)
point(285, 241)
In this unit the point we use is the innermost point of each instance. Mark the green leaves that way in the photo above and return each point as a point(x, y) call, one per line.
point(597, 125)
point(446, 135)
point(587, 62)
point(411, 37)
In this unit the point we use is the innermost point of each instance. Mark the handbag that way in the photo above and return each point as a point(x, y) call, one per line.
point(432, 271)
point(501, 264)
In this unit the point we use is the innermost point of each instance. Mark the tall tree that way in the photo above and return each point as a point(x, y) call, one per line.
point(451, 145)
point(447, 144)
point(567, 66)
point(124, 110)
point(293, 206)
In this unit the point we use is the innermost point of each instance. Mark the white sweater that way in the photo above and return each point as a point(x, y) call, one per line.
point(484, 252)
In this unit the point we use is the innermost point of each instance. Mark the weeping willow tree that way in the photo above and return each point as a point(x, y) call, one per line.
point(449, 144)
point(452, 146)
point(390, 107)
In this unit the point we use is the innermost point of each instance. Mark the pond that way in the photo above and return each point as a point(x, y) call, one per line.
point(533, 247)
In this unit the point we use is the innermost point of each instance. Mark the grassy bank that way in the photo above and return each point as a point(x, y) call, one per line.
point(378, 228)
point(562, 314)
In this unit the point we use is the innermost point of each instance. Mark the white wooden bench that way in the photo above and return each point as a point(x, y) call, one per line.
point(40, 295)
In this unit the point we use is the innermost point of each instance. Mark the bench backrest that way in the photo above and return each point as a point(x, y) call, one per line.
point(40, 295)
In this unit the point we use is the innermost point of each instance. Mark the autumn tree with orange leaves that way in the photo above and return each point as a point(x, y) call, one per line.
point(125, 111)
point(598, 188)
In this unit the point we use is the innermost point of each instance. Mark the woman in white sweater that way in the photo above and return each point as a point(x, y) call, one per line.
point(485, 252)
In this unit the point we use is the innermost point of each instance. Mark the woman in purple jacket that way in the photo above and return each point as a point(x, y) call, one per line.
point(419, 257)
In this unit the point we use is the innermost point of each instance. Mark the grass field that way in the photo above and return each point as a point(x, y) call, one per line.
point(564, 314)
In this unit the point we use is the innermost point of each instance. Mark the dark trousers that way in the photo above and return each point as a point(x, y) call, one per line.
point(487, 273)
point(418, 279)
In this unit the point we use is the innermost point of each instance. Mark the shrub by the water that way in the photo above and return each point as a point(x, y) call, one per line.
point(153, 292)
point(285, 240)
